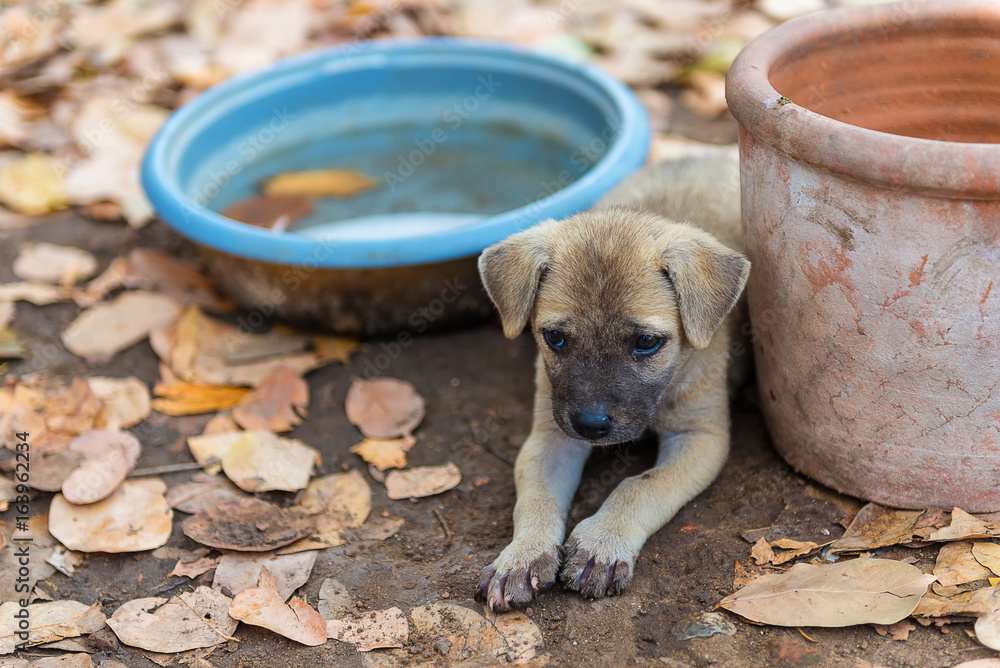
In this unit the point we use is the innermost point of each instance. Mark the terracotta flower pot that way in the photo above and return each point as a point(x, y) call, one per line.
point(870, 149)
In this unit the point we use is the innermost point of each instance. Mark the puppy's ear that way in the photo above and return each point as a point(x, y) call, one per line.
point(708, 278)
point(511, 270)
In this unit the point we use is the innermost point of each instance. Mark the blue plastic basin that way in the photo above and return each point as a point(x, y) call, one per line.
point(470, 141)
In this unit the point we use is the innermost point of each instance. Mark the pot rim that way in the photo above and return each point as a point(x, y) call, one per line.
point(898, 162)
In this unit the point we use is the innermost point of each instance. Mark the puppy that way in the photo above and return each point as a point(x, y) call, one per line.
point(632, 306)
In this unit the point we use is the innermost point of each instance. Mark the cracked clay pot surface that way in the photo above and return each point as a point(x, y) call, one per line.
point(870, 151)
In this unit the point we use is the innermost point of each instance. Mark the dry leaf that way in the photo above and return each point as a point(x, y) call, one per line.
point(259, 461)
point(341, 500)
point(59, 265)
point(861, 591)
point(194, 568)
point(107, 31)
point(97, 443)
point(263, 606)
point(188, 621)
point(898, 631)
point(124, 401)
point(103, 330)
point(277, 404)
point(249, 525)
point(470, 638)
point(337, 502)
point(148, 269)
point(987, 554)
point(203, 492)
point(320, 183)
point(209, 447)
point(963, 525)
point(979, 663)
point(521, 635)
point(782, 10)
point(11, 346)
point(33, 184)
point(197, 349)
point(111, 174)
point(276, 343)
point(178, 397)
point(108, 457)
point(263, 31)
point(384, 407)
point(95, 479)
point(277, 212)
point(12, 577)
point(220, 424)
point(793, 549)
point(422, 481)
point(956, 564)
point(238, 572)
point(39, 294)
point(16, 116)
point(335, 348)
point(50, 469)
point(71, 409)
point(742, 575)
point(151, 269)
point(374, 630)
point(978, 602)
point(48, 622)
point(988, 630)
point(385, 453)
point(136, 517)
point(876, 526)
point(761, 552)
point(7, 311)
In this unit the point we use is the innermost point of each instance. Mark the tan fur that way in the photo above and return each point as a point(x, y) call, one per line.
point(601, 280)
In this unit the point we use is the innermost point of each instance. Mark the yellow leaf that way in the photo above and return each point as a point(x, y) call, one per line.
point(320, 183)
point(32, 184)
point(385, 453)
point(335, 348)
point(987, 554)
point(178, 397)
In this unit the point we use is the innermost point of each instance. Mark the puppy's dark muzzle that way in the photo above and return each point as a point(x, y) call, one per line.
point(592, 423)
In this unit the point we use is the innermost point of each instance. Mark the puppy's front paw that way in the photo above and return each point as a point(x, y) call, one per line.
point(598, 563)
point(520, 572)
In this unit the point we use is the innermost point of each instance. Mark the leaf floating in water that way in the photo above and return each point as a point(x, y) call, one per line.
point(320, 183)
point(267, 210)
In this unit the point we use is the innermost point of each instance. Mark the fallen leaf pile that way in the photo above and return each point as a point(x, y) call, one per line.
point(83, 452)
point(844, 584)
point(87, 85)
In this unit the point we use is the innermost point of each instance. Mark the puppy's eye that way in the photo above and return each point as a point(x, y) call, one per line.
point(647, 344)
point(554, 338)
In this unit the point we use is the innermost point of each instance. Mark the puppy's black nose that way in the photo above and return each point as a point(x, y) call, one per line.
point(592, 422)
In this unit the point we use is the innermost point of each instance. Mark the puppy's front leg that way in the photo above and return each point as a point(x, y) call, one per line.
point(546, 474)
point(601, 552)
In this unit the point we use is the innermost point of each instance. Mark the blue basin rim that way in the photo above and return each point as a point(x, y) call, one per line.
point(626, 153)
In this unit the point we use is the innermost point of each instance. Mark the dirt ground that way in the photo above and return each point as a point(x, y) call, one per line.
point(478, 387)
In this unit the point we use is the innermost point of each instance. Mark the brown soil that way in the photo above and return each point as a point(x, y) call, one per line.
point(478, 387)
